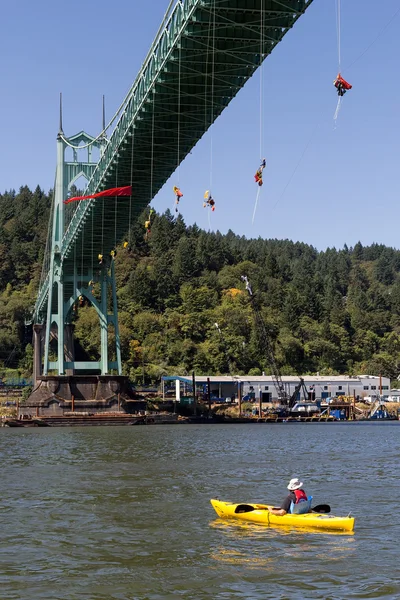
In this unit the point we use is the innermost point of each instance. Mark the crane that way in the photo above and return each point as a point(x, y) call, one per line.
point(283, 396)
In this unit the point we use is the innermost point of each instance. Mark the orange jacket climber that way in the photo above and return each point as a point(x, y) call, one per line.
point(209, 201)
point(259, 173)
point(341, 85)
point(178, 196)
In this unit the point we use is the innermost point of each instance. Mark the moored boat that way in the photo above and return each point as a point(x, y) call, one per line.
point(259, 513)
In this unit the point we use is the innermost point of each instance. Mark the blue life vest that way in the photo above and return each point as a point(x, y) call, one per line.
point(302, 504)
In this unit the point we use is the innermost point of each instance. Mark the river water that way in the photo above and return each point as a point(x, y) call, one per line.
point(123, 513)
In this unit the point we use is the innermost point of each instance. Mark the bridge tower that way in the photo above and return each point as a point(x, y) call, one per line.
point(67, 285)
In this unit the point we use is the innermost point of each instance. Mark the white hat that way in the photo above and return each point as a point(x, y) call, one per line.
point(294, 484)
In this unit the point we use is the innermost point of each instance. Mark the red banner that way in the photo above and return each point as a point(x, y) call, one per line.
point(113, 192)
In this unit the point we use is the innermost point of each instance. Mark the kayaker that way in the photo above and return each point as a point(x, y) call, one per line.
point(296, 495)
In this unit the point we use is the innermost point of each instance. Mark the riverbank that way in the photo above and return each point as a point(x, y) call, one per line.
point(167, 412)
point(81, 419)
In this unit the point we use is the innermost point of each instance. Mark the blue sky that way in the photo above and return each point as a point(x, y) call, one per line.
point(346, 187)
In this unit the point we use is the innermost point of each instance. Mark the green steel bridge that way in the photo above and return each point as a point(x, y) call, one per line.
point(203, 54)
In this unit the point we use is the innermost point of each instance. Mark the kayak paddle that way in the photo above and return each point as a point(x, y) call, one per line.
point(243, 508)
point(321, 508)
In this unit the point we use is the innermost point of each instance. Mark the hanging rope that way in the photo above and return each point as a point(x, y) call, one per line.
point(261, 101)
point(179, 114)
point(392, 18)
point(296, 167)
point(102, 229)
point(92, 241)
point(75, 280)
point(212, 96)
point(255, 205)
point(152, 146)
point(338, 32)
point(178, 163)
point(338, 105)
point(261, 75)
point(115, 209)
point(82, 261)
point(130, 198)
point(208, 114)
point(338, 38)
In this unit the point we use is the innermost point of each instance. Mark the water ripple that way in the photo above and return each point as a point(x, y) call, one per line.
point(123, 512)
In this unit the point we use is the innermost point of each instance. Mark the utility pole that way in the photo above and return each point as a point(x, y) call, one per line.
point(228, 360)
point(275, 371)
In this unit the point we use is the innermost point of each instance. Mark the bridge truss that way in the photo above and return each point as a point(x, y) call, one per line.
point(203, 54)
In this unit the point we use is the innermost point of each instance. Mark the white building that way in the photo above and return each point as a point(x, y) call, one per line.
point(324, 386)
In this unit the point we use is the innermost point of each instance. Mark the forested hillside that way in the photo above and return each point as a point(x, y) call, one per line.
point(336, 311)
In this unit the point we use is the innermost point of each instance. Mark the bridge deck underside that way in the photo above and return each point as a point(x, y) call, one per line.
point(212, 52)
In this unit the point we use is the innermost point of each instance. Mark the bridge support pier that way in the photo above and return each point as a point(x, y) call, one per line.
point(69, 346)
point(63, 395)
point(37, 351)
point(104, 325)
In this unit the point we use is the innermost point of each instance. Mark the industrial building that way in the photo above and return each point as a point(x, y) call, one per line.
point(319, 387)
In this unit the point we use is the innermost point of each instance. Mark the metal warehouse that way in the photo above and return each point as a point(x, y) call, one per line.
point(262, 387)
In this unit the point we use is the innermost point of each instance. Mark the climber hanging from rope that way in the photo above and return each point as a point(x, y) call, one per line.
point(341, 85)
point(148, 223)
point(178, 196)
point(209, 201)
point(259, 173)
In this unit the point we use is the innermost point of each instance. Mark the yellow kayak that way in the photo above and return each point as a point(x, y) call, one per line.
point(259, 513)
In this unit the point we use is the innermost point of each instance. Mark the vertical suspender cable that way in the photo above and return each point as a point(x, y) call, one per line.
point(75, 278)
